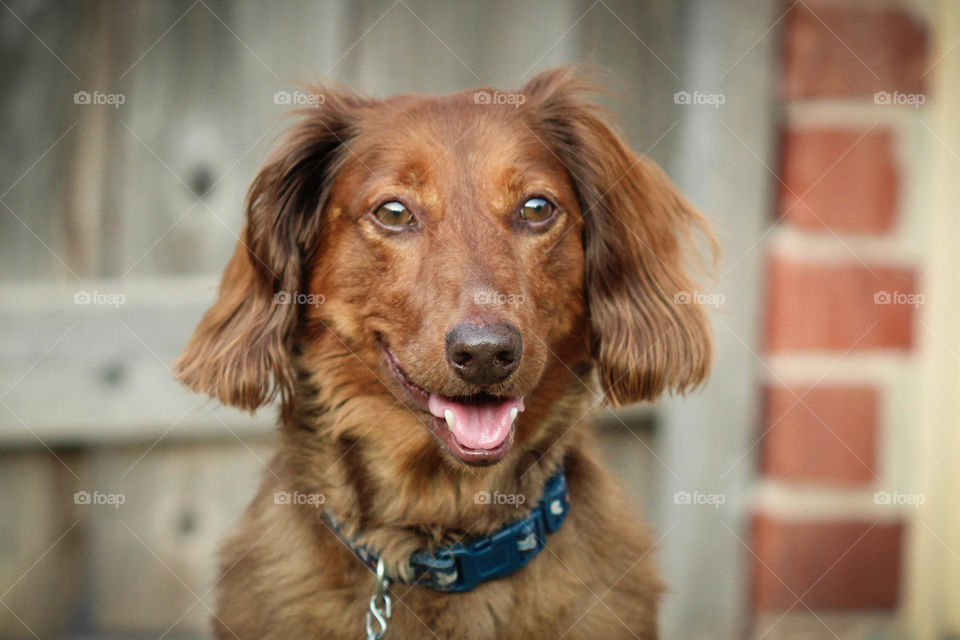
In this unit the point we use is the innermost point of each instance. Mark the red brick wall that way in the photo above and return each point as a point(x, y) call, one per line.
point(860, 192)
point(853, 564)
point(839, 184)
point(824, 436)
point(835, 307)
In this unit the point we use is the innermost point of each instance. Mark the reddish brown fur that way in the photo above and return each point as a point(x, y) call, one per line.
point(598, 314)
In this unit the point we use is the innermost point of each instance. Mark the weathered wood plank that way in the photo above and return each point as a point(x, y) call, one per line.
point(41, 124)
point(74, 373)
point(456, 44)
point(40, 543)
point(198, 102)
point(199, 118)
point(155, 556)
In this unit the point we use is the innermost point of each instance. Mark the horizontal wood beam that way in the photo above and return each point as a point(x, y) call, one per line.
point(90, 361)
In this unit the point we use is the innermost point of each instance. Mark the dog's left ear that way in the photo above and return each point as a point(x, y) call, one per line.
point(648, 333)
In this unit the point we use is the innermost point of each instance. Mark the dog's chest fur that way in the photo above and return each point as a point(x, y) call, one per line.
point(286, 575)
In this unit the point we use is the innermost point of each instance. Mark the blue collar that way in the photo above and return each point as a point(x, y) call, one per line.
point(462, 567)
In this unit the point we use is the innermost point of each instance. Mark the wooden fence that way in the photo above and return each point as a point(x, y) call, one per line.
point(132, 131)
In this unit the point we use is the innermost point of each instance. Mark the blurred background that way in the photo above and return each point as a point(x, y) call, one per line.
point(809, 491)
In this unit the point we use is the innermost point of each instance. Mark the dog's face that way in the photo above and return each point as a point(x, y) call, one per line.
point(453, 245)
point(457, 259)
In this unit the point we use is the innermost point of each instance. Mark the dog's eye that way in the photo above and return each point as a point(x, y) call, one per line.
point(537, 210)
point(394, 214)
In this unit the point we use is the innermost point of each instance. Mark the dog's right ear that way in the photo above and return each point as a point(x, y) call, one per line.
point(240, 351)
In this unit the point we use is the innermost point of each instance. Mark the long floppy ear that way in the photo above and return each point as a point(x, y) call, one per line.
point(648, 332)
point(240, 351)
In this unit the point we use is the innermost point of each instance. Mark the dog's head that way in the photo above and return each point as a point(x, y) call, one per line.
point(459, 257)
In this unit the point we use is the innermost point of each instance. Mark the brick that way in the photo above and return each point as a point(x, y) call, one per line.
point(845, 180)
point(828, 438)
point(835, 307)
point(851, 51)
point(853, 565)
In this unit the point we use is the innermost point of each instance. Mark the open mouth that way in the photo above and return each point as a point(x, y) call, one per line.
point(476, 429)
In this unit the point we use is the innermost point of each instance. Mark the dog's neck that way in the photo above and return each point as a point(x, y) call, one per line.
point(372, 482)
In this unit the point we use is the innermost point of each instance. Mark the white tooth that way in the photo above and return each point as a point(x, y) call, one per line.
point(513, 414)
point(448, 416)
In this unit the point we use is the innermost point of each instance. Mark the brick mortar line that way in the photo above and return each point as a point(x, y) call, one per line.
point(877, 368)
point(811, 503)
point(913, 6)
point(853, 113)
point(821, 247)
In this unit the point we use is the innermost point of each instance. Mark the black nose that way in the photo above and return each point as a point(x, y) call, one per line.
point(484, 354)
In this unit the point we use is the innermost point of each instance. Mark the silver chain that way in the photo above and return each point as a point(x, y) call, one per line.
point(380, 605)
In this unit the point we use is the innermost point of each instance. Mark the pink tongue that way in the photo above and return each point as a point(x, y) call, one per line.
point(477, 426)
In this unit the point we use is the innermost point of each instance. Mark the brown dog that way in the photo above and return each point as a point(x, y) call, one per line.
point(439, 289)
